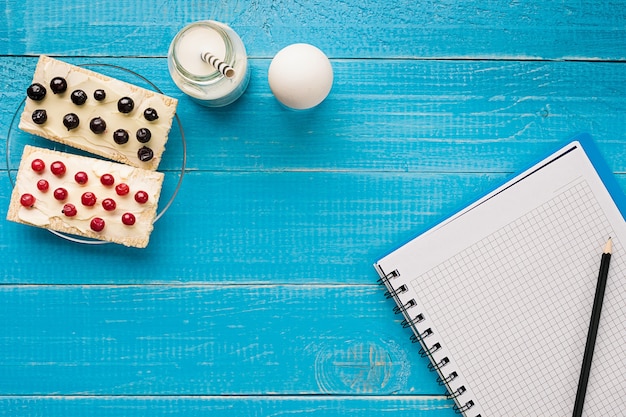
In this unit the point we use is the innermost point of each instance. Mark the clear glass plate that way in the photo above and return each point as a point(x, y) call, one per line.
point(172, 163)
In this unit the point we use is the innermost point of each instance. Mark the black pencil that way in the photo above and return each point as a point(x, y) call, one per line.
point(593, 330)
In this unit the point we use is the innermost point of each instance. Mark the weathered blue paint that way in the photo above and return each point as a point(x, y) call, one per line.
point(256, 296)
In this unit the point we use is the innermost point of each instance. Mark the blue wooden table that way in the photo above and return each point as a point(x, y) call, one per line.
point(257, 295)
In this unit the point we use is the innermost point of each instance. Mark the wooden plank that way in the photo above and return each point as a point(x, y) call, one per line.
point(300, 202)
point(235, 227)
point(571, 29)
point(442, 116)
point(206, 340)
point(249, 406)
point(242, 227)
point(257, 296)
point(246, 201)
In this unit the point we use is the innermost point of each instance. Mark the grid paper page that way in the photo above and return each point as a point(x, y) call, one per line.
point(513, 309)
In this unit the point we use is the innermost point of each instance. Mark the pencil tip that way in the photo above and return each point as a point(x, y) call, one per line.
point(609, 246)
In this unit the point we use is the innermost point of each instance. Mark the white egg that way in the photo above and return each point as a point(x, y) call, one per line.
point(300, 76)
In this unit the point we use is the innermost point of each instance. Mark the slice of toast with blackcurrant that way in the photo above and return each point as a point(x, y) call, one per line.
point(98, 114)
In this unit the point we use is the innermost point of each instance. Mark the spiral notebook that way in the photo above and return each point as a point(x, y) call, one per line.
point(499, 295)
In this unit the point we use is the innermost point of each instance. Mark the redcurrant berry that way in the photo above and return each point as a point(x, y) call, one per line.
point(81, 177)
point(88, 199)
point(57, 168)
point(42, 185)
point(109, 204)
point(69, 210)
point(38, 165)
point(60, 194)
point(141, 197)
point(128, 219)
point(97, 224)
point(27, 200)
point(107, 180)
point(122, 189)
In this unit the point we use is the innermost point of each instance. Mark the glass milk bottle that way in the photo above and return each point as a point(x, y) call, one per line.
point(207, 60)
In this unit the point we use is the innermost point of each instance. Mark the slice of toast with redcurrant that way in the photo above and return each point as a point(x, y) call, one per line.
point(86, 197)
point(98, 114)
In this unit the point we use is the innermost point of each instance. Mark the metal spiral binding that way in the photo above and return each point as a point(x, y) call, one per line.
point(405, 307)
point(464, 408)
point(437, 366)
point(459, 391)
point(388, 277)
point(393, 293)
point(445, 381)
point(411, 323)
point(419, 337)
point(429, 352)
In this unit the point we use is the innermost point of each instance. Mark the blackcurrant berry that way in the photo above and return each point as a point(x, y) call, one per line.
point(58, 85)
point(40, 116)
point(70, 121)
point(125, 105)
point(36, 92)
point(99, 95)
point(120, 136)
point(150, 114)
point(143, 135)
point(79, 97)
point(145, 154)
point(97, 125)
